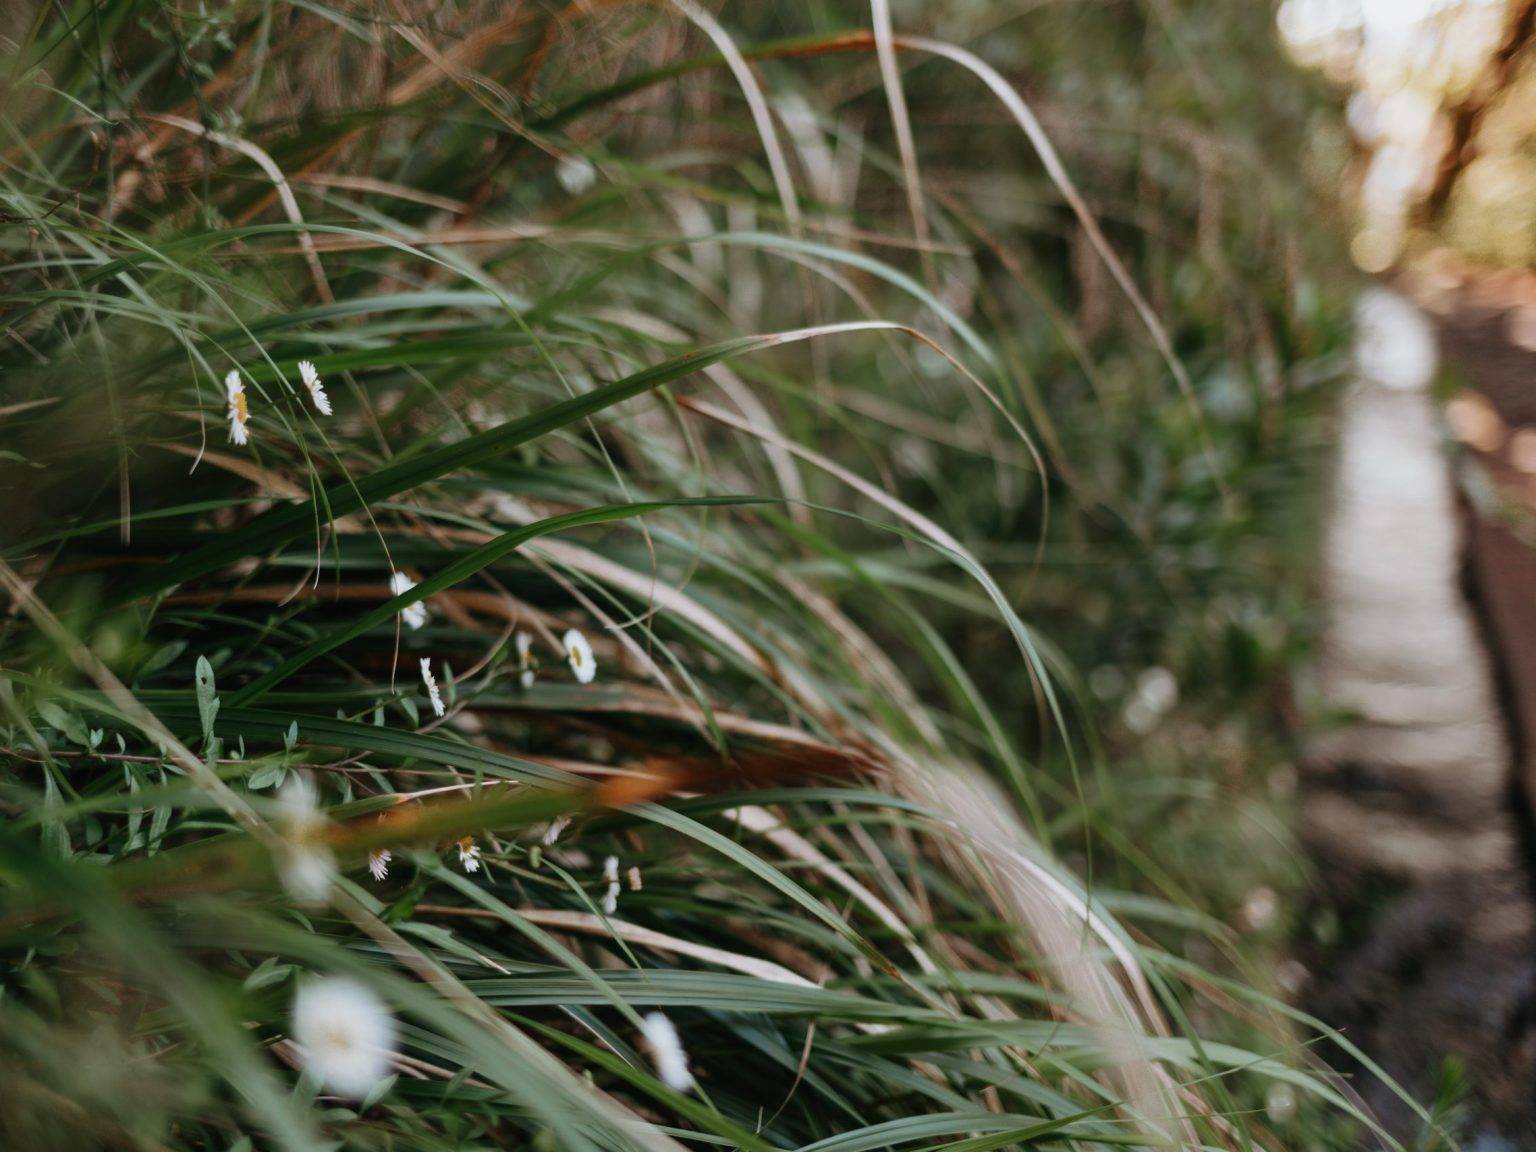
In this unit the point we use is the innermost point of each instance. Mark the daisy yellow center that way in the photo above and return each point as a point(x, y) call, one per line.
point(338, 1036)
point(242, 413)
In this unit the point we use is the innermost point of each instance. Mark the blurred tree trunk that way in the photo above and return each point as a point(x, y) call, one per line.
point(1468, 114)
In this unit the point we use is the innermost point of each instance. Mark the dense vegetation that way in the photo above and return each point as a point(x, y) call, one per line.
point(924, 451)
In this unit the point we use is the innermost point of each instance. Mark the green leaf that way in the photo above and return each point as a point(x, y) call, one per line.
point(72, 727)
point(266, 776)
point(207, 697)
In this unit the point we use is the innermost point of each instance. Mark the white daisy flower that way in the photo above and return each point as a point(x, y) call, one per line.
point(469, 854)
point(378, 863)
point(415, 615)
point(306, 865)
point(576, 174)
point(311, 380)
point(239, 413)
point(578, 654)
point(610, 902)
point(525, 663)
point(556, 826)
point(344, 1033)
point(666, 1051)
point(431, 682)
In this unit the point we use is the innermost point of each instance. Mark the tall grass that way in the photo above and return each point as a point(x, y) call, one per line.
point(848, 396)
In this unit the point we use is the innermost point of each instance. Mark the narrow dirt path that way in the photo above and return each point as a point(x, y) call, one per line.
point(1407, 801)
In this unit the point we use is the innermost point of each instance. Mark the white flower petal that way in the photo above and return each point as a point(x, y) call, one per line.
point(311, 380)
point(576, 174)
point(307, 874)
point(526, 664)
point(414, 615)
point(344, 1033)
point(666, 1051)
point(298, 802)
point(556, 826)
point(378, 863)
point(431, 682)
point(578, 653)
point(238, 412)
point(610, 901)
point(305, 863)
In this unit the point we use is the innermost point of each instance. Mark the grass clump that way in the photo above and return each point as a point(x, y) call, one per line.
point(635, 707)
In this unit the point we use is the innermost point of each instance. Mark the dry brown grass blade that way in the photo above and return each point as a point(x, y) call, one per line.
point(901, 125)
point(274, 173)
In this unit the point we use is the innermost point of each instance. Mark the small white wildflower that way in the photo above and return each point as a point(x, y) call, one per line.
point(552, 833)
point(431, 682)
point(239, 413)
point(345, 1034)
point(633, 876)
point(306, 865)
point(1280, 1104)
point(415, 615)
point(610, 902)
point(579, 654)
point(311, 380)
point(666, 1051)
point(378, 863)
point(1155, 693)
point(576, 174)
point(524, 644)
point(469, 854)
point(1259, 908)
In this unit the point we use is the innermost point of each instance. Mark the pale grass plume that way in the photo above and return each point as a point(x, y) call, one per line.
point(1081, 950)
